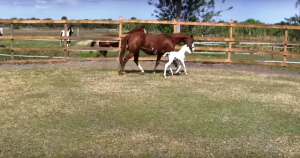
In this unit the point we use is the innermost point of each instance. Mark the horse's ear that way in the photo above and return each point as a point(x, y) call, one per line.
point(143, 26)
point(192, 36)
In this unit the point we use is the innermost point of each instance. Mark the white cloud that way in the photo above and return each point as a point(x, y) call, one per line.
point(40, 7)
point(41, 1)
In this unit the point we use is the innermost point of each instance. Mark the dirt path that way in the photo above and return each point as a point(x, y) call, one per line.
point(148, 65)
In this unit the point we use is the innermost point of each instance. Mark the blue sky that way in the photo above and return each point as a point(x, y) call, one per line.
point(268, 11)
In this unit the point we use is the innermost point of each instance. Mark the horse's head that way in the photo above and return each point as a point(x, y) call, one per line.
point(144, 28)
point(71, 28)
point(189, 41)
point(186, 48)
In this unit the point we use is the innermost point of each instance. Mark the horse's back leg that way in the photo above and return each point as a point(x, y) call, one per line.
point(157, 61)
point(105, 53)
point(175, 64)
point(92, 45)
point(136, 60)
point(178, 68)
point(130, 55)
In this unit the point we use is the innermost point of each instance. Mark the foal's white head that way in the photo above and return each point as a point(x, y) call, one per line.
point(186, 48)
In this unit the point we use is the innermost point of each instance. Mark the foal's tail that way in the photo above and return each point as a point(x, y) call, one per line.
point(124, 42)
point(168, 53)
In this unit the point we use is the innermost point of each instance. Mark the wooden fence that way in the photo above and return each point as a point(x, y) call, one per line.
point(229, 50)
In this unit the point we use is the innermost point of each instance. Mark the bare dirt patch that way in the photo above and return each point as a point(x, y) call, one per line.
point(148, 66)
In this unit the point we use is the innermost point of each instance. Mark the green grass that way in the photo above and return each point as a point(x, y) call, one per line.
point(94, 112)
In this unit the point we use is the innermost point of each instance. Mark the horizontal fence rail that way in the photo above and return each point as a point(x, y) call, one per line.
point(228, 41)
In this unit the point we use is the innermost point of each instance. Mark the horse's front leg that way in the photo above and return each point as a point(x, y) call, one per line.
point(157, 61)
point(136, 60)
point(175, 64)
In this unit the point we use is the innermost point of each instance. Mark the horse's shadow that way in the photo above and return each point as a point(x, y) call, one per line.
point(2, 45)
point(146, 72)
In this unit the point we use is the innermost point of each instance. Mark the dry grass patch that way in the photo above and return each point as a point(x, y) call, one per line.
point(94, 112)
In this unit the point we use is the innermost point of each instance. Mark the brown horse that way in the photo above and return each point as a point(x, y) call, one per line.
point(116, 43)
point(151, 44)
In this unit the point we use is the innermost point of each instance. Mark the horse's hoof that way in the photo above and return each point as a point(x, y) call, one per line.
point(142, 73)
point(121, 73)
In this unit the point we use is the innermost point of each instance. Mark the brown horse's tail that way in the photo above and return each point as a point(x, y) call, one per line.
point(93, 43)
point(124, 43)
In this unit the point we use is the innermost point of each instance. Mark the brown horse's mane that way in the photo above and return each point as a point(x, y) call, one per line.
point(138, 29)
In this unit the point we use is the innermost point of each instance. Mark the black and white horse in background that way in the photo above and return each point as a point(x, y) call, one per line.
point(69, 33)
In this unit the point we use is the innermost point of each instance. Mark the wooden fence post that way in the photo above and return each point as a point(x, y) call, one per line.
point(78, 31)
point(65, 41)
point(12, 42)
point(285, 46)
point(120, 34)
point(174, 26)
point(229, 43)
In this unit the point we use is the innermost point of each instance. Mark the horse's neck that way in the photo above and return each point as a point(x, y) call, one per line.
point(178, 39)
point(133, 31)
point(69, 32)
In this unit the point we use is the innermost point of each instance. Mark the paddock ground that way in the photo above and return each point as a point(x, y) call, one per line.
point(148, 66)
point(85, 109)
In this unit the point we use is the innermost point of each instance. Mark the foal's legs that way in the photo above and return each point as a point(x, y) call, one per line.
point(157, 61)
point(166, 67)
point(136, 60)
point(182, 62)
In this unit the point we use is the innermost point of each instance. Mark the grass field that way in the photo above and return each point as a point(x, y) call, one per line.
point(79, 111)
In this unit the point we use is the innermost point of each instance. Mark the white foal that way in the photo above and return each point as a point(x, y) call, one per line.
point(180, 55)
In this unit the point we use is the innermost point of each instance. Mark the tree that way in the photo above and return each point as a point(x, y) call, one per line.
point(64, 18)
point(172, 4)
point(186, 10)
point(297, 3)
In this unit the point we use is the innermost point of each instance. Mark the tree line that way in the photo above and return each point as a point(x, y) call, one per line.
point(188, 10)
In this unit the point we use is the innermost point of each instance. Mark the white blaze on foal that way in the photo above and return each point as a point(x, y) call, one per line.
point(180, 55)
